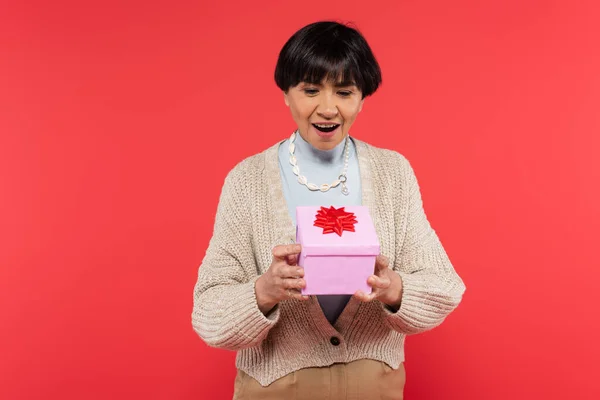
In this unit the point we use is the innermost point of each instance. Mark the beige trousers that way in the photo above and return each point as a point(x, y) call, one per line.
point(357, 380)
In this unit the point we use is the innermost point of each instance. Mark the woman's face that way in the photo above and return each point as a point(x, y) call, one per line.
point(324, 113)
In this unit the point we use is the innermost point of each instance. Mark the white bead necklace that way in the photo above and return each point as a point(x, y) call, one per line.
point(324, 187)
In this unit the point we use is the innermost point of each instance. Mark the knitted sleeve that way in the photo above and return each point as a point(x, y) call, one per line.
point(431, 287)
point(226, 313)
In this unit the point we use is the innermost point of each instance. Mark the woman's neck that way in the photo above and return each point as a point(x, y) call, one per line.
point(307, 152)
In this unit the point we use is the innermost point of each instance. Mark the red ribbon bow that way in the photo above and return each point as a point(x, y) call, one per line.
point(335, 220)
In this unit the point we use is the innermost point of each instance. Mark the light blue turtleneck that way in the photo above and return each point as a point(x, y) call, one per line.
point(320, 166)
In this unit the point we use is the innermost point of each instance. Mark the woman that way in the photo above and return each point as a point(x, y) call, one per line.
point(247, 297)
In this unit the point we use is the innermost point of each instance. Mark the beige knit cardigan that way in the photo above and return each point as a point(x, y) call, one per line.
point(252, 217)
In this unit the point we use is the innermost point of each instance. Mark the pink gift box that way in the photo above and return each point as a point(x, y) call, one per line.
point(335, 264)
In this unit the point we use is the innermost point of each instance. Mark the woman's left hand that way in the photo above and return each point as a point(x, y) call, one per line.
point(386, 284)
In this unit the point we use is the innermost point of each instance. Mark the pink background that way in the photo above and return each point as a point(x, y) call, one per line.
point(120, 119)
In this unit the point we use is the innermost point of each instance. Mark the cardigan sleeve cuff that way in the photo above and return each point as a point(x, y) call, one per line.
point(238, 323)
point(421, 308)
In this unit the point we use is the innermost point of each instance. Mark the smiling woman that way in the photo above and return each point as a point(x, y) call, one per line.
point(248, 294)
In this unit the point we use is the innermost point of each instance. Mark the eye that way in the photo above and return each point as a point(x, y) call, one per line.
point(345, 93)
point(310, 91)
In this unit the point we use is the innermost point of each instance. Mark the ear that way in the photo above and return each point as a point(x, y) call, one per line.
point(360, 106)
point(285, 98)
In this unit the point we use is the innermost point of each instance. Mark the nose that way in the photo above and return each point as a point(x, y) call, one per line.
point(327, 107)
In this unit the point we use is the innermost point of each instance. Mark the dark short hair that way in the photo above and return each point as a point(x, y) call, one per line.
point(328, 50)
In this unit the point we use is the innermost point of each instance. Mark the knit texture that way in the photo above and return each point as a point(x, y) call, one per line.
point(252, 217)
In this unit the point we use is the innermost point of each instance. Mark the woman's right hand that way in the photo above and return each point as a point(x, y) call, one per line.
point(283, 280)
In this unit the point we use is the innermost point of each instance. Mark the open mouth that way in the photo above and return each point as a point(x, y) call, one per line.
point(326, 128)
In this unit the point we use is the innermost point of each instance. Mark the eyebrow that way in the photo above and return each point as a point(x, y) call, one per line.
point(344, 84)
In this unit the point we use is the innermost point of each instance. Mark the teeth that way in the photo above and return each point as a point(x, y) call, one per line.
point(326, 125)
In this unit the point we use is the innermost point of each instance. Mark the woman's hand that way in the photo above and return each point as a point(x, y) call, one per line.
point(386, 284)
point(283, 280)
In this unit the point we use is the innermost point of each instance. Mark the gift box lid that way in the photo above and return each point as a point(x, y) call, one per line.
point(363, 241)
